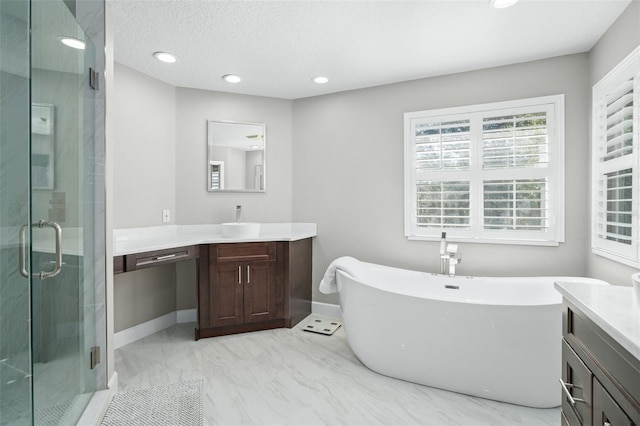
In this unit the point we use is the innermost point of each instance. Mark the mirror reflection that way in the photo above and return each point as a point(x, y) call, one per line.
point(235, 156)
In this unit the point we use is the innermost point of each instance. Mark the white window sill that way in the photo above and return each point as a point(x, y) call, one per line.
point(487, 241)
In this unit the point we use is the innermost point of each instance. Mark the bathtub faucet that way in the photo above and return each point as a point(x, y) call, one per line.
point(450, 256)
point(454, 257)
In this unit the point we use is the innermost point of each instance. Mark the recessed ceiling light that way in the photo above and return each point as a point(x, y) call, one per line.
point(232, 78)
point(72, 42)
point(165, 57)
point(501, 4)
point(320, 79)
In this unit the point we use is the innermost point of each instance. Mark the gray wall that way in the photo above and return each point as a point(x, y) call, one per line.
point(140, 296)
point(620, 40)
point(349, 170)
point(145, 167)
point(143, 185)
point(193, 203)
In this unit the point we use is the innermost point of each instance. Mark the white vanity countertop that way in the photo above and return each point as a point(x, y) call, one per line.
point(43, 240)
point(615, 309)
point(140, 240)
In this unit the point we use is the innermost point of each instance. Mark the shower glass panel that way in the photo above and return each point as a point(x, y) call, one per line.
point(61, 118)
point(47, 218)
point(15, 356)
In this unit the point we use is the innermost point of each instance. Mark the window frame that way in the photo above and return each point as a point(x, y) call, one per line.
point(628, 68)
point(476, 175)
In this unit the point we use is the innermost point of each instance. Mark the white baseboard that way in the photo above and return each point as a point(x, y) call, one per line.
point(145, 329)
point(99, 403)
point(326, 309)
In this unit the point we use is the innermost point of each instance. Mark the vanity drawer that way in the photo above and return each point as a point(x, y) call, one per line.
point(576, 395)
point(240, 252)
point(149, 259)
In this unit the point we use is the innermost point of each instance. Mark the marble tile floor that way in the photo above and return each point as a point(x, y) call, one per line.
point(293, 377)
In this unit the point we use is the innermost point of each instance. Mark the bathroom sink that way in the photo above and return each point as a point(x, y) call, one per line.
point(240, 230)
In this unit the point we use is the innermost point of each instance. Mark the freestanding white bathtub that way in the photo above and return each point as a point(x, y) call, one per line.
point(495, 338)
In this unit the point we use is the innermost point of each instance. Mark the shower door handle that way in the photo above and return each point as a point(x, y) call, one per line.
point(58, 244)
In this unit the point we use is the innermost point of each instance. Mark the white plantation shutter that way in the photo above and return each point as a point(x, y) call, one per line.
point(619, 122)
point(515, 204)
point(442, 204)
point(442, 145)
point(617, 225)
point(616, 126)
point(490, 173)
point(517, 140)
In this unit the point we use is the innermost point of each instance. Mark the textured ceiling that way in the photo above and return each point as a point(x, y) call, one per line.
point(279, 46)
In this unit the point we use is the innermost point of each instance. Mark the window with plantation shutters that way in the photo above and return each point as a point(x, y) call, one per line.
point(486, 173)
point(616, 129)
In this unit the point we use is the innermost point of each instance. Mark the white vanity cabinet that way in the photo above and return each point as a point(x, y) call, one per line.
point(601, 378)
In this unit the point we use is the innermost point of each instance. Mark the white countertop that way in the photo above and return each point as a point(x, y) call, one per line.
point(44, 241)
point(140, 240)
point(615, 309)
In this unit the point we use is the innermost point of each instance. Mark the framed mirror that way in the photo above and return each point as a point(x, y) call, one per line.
point(236, 156)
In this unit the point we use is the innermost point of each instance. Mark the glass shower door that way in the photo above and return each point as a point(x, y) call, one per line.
point(47, 218)
point(62, 202)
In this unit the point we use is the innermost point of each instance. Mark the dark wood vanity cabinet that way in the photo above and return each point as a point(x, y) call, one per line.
point(601, 379)
point(244, 284)
point(253, 286)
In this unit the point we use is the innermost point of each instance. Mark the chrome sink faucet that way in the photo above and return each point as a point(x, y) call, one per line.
point(238, 214)
point(450, 256)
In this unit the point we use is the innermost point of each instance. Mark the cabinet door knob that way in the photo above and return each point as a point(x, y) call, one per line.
point(248, 274)
point(240, 274)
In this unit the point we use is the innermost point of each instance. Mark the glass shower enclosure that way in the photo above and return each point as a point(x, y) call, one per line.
point(51, 219)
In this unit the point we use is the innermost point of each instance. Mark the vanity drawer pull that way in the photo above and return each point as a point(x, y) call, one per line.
point(153, 258)
point(240, 274)
point(169, 256)
point(565, 389)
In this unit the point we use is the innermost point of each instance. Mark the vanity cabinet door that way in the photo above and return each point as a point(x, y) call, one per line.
point(606, 412)
point(263, 295)
point(576, 396)
point(245, 284)
point(226, 294)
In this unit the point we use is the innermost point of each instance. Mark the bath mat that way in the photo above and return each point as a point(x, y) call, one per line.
point(175, 404)
point(322, 326)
